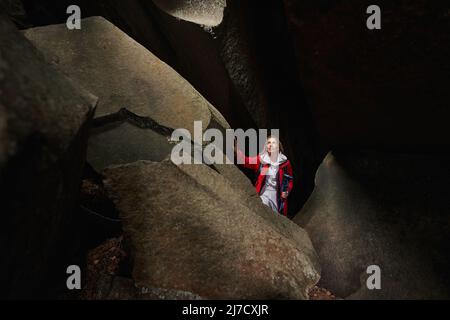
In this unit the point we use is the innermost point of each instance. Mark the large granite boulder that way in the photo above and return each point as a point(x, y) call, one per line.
point(191, 229)
point(44, 125)
point(385, 209)
point(123, 74)
point(122, 142)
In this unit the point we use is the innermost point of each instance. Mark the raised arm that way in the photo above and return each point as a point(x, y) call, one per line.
point(246, 162)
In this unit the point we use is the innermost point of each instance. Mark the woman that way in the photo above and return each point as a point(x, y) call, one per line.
point(274, 174)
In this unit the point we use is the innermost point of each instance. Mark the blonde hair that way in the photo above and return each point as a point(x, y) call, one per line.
point(280, 145)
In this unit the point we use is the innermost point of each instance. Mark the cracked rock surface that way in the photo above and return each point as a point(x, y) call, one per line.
point(123, 74)
point(189, 229)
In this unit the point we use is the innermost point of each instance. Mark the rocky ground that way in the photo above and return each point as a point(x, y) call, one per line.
point(111, 259)
point(317, 293)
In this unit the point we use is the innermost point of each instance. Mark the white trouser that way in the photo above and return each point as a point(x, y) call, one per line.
point(269, 198)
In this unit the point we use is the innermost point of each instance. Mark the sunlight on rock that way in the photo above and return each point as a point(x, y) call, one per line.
point(207, 13)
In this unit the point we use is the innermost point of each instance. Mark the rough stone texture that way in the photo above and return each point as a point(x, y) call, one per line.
point(120, 143)
point(208, 13)
point(228, 182)
point(124, 74)
point(121, 73)
point(386, 88)
point(190, 229)
point(44, 122)
point(390, 210)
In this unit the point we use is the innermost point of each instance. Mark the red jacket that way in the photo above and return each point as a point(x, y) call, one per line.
point(254, 163)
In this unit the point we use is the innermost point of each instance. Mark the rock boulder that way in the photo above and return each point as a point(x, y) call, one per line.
point(191, 229)
point(384, 209)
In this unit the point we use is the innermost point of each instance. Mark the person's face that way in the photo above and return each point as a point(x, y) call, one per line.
point(272, 145)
